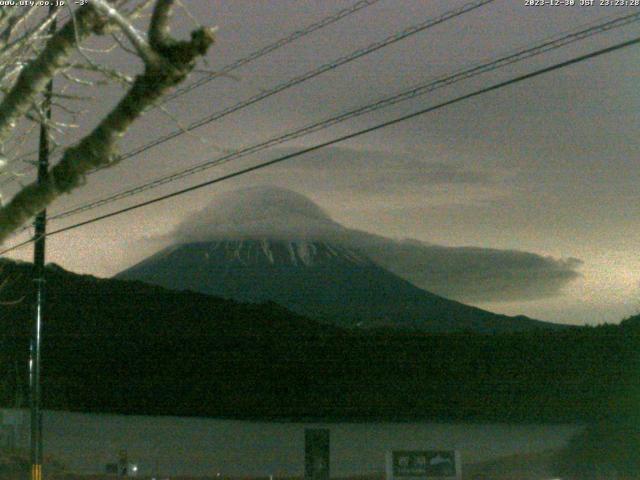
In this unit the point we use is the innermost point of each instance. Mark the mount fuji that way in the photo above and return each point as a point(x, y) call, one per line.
point(269, 244)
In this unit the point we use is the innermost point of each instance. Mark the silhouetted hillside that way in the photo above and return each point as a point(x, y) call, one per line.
point(632, 322)
point(116, 346)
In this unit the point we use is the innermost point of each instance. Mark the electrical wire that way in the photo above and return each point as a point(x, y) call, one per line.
point(227, 69)
point(334, 141)
point(272, 47)
point(354, 55)
point(413, 92)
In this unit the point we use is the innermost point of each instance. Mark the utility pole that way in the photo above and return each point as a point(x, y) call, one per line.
point(40, 225)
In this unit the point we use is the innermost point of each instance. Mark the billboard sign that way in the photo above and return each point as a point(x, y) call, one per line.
point(423, 465)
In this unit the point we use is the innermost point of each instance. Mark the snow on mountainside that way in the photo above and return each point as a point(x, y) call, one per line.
point(295, 253)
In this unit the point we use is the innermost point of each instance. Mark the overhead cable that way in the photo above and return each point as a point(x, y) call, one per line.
point(342, 138)
point(413, 92)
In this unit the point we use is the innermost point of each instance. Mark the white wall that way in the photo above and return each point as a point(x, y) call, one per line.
point(169, 446)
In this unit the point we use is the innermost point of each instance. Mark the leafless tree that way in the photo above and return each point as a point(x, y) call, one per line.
point(31, 55)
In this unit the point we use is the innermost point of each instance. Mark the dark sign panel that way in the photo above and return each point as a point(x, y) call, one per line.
point(316, 454)
point(424, 464)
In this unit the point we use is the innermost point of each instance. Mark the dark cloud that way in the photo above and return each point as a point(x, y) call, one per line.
point(463, 273)
point(258, 212)
point(475, 274)
point(367, 171)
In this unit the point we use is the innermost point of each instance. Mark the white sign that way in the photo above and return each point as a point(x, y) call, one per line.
point(424, 465)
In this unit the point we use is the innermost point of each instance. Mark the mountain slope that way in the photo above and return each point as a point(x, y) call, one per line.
point(318, 279)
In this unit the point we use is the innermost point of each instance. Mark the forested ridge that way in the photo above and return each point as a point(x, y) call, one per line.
point(127, 347)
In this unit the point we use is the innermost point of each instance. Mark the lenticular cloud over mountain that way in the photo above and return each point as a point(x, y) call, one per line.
point(472, 274)
point(257, 213)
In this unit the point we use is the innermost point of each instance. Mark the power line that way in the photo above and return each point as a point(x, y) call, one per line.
point(227, 69)
point(411, 93)
point(340, 139)
point(383, 103)
point(272, 47)
point(356, 54)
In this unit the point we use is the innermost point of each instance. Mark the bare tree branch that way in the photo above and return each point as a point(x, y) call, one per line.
point(142, 47)
point(35, 75)
point(171, 62)
point(159, 36)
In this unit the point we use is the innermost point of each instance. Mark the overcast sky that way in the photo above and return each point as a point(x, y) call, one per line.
point(547, 166)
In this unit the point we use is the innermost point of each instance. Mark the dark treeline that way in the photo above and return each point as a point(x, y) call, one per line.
point(126, 347)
